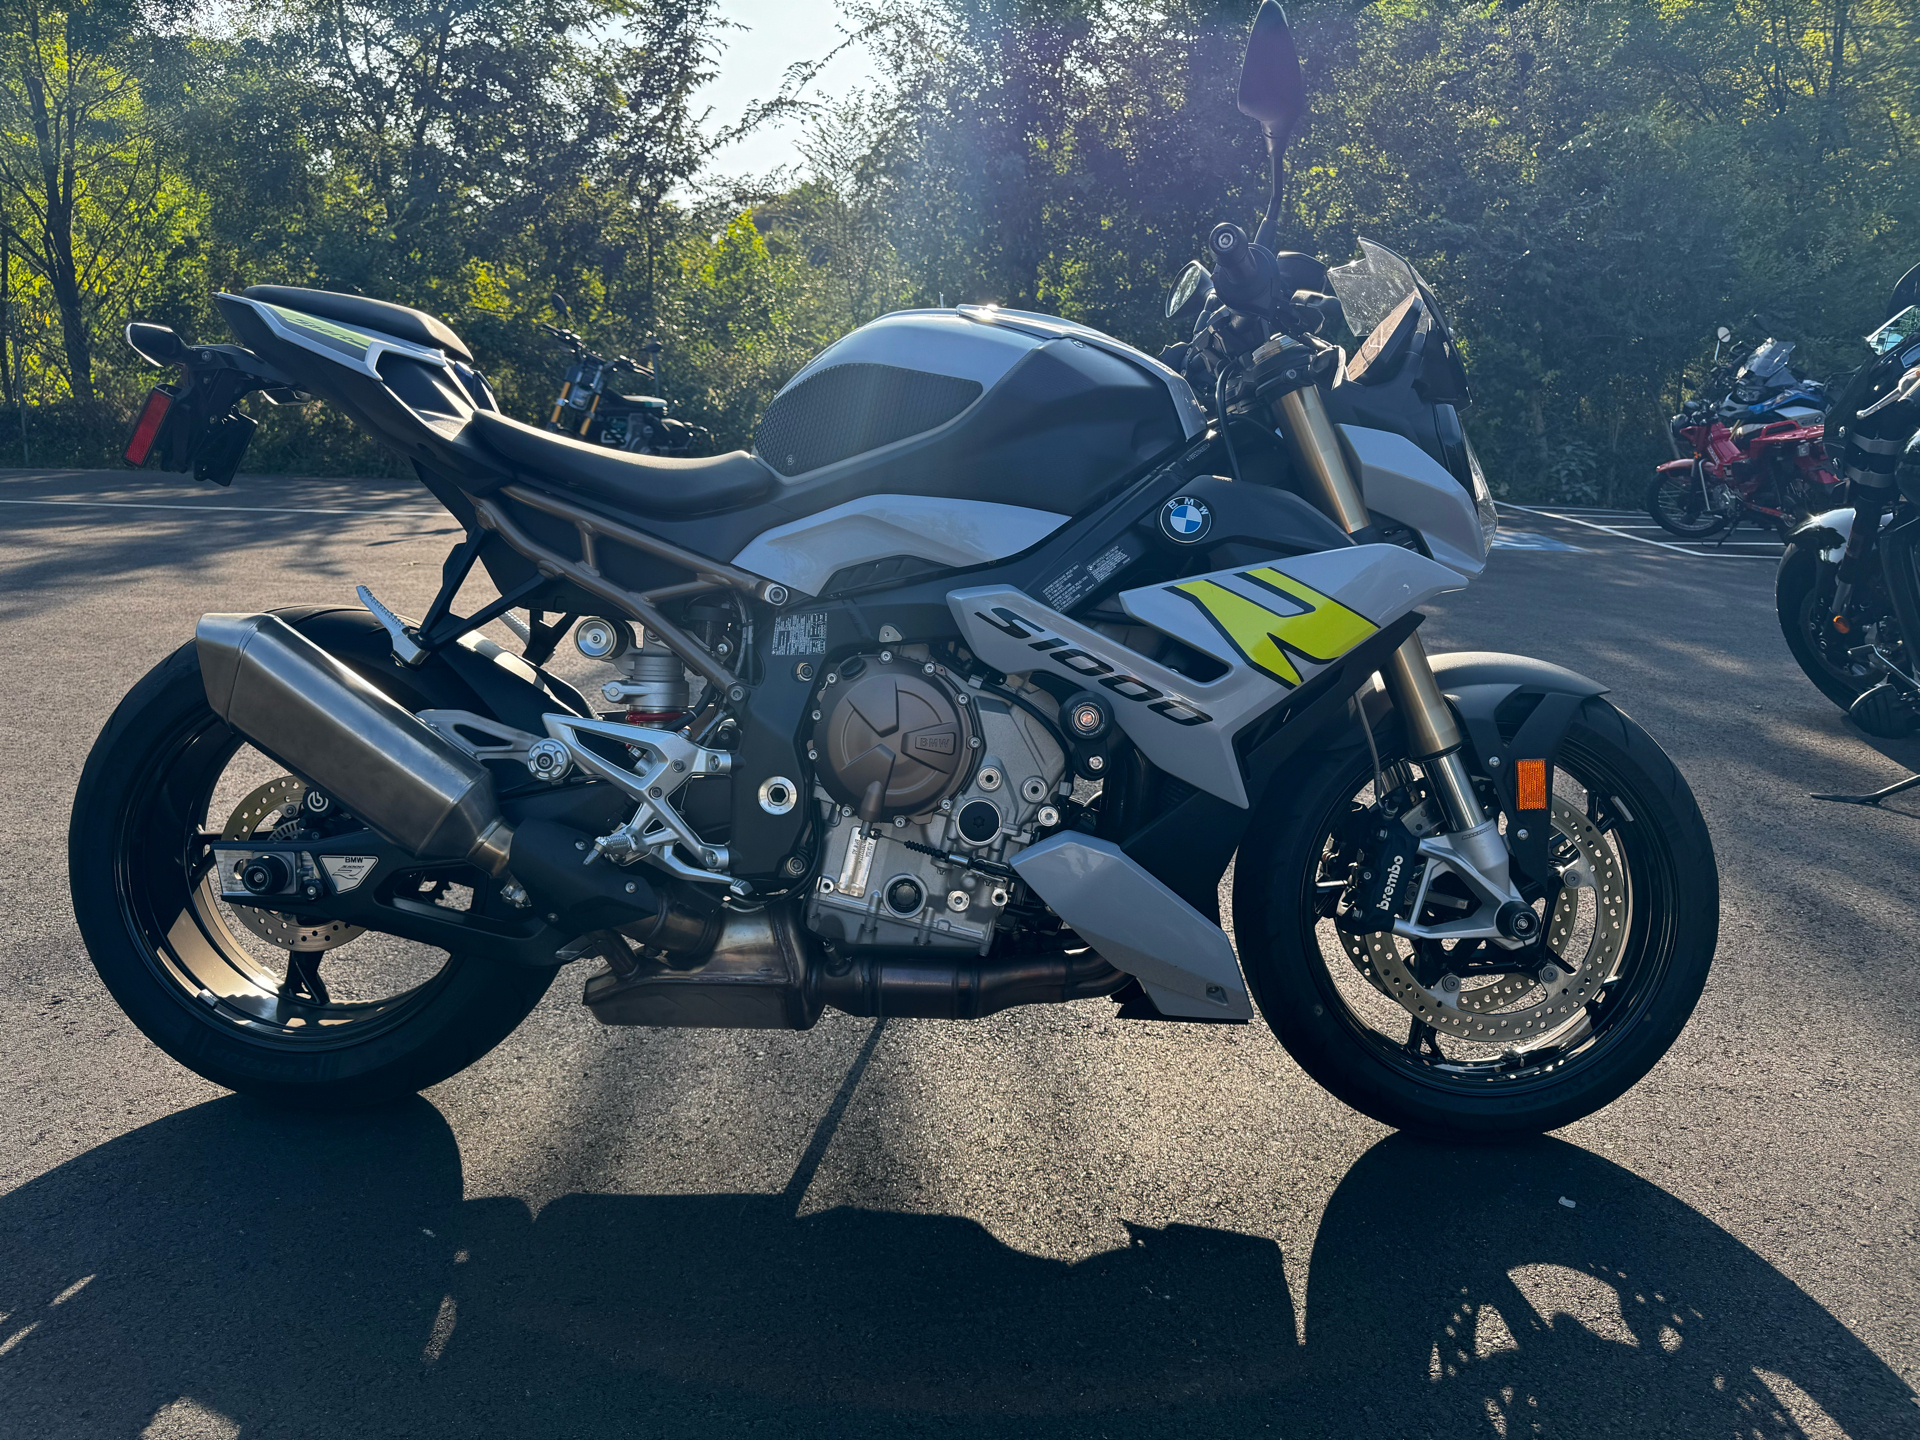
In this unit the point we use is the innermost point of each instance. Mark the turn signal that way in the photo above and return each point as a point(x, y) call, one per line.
point(1841, 624)
point(1530, 785)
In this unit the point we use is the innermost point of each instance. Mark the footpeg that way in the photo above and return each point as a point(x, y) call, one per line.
point(408, 651)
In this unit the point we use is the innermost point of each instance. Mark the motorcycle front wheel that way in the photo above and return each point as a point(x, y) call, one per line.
point(321, 1016)
point(1464, 1038)
point(1807, 626)
point(1681, 505)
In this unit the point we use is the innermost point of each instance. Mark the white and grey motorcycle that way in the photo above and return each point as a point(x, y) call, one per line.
point(960, 692)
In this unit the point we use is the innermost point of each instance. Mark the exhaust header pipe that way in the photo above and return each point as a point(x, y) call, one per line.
point(313, 715)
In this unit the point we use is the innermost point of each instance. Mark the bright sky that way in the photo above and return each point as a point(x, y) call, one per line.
point(779, 33)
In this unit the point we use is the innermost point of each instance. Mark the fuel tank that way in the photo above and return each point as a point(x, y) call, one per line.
point(940, 439)
point(1036, 411)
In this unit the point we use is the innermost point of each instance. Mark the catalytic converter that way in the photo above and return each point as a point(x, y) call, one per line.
point(313, 715)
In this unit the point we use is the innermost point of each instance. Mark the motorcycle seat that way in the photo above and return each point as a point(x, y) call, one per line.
point(643, 484)
point(399, 321)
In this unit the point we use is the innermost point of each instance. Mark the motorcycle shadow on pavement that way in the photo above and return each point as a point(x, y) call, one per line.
point(234, 1270)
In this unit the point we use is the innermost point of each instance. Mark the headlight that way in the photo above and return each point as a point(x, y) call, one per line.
point(1483, 497)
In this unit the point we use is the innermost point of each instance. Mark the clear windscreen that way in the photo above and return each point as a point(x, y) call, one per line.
point(1770, 359)
point(1369, 288)
point(1894, 332)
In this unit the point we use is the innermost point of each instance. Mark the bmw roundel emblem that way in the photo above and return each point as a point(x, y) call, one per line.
point(1186, 519)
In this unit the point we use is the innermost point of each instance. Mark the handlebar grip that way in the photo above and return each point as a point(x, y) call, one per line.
point(1227, 243)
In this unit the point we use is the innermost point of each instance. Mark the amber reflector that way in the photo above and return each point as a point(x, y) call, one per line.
point(1530, 785)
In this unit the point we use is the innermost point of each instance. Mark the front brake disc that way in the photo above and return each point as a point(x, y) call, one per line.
point(1504, 1010)
point(274, 927)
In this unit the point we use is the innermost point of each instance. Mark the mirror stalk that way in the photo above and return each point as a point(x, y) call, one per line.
point(1270, 222)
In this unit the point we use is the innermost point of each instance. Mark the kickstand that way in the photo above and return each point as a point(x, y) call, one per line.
point(1873, 798)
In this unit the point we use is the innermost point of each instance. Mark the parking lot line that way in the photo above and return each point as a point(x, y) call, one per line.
point(1643, 540)
point(251, 509)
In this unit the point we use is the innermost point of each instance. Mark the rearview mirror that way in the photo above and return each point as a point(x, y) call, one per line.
point(560, 305)
point(1272, 90)
point(1724, 335)
point(156, 344)
point(1189, 291)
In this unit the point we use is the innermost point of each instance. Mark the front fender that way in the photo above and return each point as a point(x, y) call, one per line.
point(1826, 535)
point(1512, 708)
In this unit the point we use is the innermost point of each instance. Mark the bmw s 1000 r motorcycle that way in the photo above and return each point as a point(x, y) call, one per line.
point(959, 693)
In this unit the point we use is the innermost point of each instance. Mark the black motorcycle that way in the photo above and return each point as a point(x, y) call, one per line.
point(1846, 589)
point(590, 409)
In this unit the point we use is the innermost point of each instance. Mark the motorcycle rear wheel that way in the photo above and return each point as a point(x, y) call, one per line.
point(1648, 922)
point(1675, 504)
point(368, 1019)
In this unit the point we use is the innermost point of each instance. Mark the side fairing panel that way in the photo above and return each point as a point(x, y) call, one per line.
point(1274, 626)
point(1403, 482)
point(804, 553)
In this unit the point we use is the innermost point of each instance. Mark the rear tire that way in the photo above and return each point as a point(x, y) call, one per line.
point(1803, 613)
point(1667, 943)
point(157, 945)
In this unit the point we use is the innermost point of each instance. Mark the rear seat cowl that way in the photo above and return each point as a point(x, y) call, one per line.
point(399, 321)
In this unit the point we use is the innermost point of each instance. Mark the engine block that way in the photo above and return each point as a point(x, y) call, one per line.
point(918, 880)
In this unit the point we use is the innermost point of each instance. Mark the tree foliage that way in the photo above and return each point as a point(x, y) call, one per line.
point(1591, 188)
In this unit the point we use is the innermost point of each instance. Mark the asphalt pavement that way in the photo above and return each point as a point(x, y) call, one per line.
point(1749, 540)
point(1047, 1223)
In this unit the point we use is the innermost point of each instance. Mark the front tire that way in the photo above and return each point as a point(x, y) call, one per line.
point(1654, 901)
point(193, 978)
point(1675, 503)
point(1803, 610)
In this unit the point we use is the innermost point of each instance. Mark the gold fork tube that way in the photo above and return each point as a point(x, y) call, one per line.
point(1431, 729)
point(1317, 449)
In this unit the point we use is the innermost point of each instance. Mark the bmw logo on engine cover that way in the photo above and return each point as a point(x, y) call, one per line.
point(1186, 519)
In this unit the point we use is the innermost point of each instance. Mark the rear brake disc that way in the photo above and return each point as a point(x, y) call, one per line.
point(274, 927)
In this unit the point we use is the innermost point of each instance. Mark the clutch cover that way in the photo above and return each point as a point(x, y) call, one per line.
point(892, 740)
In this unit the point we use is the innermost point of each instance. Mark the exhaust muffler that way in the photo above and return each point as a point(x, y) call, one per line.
point(319, 719)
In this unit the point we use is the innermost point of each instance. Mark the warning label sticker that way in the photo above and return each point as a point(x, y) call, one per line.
point(1078, 582)
point(803, 633)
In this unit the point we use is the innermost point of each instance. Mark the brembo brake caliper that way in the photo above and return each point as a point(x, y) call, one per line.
point(1399, 860)
point(1391, 864)
point(665, 762)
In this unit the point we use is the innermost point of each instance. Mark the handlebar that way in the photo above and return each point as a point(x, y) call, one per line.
point(1247, 277)
point(1232, 259)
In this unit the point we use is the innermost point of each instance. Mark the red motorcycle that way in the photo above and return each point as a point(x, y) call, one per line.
point(1775, 470)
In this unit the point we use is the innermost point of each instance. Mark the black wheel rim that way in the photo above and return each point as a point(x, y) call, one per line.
point(1816, 630)
point(1478, 1068)
point(222, 974)
point(1679, 506)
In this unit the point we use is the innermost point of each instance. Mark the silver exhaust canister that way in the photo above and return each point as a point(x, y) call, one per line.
point(312, 714)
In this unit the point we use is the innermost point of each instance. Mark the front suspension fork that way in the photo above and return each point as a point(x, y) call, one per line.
point(1434, 739)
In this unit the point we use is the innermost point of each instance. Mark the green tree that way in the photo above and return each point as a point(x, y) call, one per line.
point(90, 204)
